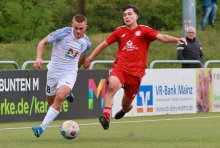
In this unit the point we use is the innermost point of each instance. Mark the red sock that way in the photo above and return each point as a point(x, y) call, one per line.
point(107, 112)
point(123, 110)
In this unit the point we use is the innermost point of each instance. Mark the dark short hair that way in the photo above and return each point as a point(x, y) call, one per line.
point(79, 18)
point(130, 6)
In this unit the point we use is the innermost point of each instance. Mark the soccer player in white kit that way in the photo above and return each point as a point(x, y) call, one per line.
point(70, 46)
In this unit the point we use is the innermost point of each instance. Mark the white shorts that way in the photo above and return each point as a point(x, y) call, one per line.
point(54, 81)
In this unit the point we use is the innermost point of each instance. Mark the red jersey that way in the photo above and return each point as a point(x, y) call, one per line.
point(132, 48)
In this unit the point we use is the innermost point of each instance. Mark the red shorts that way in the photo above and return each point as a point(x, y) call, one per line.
point(130, 83)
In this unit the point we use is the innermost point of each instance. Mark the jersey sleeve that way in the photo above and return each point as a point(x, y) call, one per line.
point(150, 33)
point(88, 45)
point(112, 38)
point(58, 34)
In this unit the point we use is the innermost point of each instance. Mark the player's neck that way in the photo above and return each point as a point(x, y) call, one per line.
point(132, 26)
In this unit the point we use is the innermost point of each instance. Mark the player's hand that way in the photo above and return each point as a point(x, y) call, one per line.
point(182, 40)
point(37, 64)
point(87, 63)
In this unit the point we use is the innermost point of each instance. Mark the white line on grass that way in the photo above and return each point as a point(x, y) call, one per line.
point(156, 120)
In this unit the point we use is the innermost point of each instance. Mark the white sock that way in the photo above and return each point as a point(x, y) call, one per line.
point(50, 116)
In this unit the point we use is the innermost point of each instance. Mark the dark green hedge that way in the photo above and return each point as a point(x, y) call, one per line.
point(34, 19)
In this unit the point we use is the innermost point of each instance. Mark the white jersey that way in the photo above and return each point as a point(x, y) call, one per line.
point(66, 50)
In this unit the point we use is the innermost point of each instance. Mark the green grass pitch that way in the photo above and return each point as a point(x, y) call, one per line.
point(162, 131)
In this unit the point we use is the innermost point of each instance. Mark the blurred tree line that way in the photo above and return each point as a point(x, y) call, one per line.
point(34, 19)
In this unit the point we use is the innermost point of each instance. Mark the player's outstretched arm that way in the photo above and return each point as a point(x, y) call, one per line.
point(96, 52)
point(40, 50)
point(170, 39)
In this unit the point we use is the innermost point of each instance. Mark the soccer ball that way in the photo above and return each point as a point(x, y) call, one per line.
point(69, 129)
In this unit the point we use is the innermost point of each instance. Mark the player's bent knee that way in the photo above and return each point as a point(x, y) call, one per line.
point(112, 87)
point(60, 97)
point(58, 100)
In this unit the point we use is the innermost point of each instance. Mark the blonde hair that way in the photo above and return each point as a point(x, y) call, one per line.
point(79, 18)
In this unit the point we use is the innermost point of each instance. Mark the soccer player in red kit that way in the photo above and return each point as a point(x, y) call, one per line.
point(130, 64)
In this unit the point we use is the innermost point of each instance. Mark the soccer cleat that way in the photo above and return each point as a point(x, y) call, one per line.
point(70, 97)
point(38, 130)
point(119, 114)
point(104, 121)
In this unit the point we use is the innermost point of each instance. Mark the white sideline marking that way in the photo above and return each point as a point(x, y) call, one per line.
point(156, 120)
